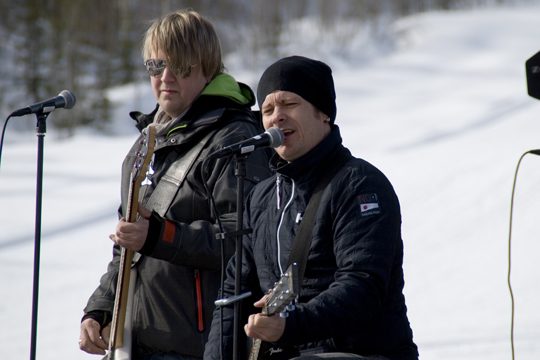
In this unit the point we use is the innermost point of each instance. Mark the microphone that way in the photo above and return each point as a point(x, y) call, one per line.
point(272, 137)
point(65, 99)
point(532, 67)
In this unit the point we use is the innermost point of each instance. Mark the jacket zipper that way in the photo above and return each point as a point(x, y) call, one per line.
point(198, 291)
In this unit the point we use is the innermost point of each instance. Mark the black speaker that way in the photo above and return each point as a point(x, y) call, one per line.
point(533, 75)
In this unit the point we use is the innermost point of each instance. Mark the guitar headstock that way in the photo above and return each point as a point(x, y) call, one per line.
point(283, 293)
point(138, 172)
point(144, 156)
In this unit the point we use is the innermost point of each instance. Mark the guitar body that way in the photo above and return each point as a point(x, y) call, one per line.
point(120, 343)
point(263, 350)
point(278, 299)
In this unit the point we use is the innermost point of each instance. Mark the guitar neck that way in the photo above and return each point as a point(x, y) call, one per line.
point(126, 257)
point(138, 174)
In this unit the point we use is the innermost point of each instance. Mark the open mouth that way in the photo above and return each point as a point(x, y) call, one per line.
point(288, 132)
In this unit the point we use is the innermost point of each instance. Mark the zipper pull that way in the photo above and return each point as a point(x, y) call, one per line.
point(278, 192)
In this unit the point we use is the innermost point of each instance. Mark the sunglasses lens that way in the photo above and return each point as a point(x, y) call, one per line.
point(155, 67)
point(188, 73)
point(154, 71)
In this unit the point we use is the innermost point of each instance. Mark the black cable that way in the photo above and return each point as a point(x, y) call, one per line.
point(536, 152)
point(2, 139)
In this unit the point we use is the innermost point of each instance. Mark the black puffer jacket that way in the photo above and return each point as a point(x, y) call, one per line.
point(351, 298)
point(179, 272)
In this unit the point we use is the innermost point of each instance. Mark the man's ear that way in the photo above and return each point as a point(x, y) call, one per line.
point(325, 118)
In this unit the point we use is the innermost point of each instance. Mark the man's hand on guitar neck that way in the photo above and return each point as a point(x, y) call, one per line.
point(267, 328)
point(132, 235)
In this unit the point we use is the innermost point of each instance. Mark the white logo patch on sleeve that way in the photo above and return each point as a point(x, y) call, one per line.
point(369, 204)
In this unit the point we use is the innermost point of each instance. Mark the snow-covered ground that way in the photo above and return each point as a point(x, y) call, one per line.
point(446, 117)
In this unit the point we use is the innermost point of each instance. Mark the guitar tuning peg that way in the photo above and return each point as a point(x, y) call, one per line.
point(150, 169)
point(290, 307)
point(284, 314)
point(146, 181)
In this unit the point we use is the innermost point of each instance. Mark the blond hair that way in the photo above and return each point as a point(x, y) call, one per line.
point(187, 39)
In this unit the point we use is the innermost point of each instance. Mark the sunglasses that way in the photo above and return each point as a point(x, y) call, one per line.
point(155, 68)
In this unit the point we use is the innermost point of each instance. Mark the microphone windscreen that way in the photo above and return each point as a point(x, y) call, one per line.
point(276, 135)
point(69, 97)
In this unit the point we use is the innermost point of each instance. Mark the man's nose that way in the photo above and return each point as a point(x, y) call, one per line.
point(168, 75)
point(278, 116)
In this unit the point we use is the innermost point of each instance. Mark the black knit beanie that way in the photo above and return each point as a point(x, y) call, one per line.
point(311, 79)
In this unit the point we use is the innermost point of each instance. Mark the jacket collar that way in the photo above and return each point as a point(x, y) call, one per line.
point(308, 167)
point(226, 86)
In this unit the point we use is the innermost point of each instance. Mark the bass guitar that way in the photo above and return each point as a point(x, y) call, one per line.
point(120, 338)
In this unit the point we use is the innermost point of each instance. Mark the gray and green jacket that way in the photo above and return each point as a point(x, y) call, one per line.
point(179, 270)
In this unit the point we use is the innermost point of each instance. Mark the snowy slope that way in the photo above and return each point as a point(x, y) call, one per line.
point(446, 117)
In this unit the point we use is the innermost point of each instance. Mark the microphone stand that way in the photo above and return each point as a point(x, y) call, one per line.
point(240, 173)
point(40, 130)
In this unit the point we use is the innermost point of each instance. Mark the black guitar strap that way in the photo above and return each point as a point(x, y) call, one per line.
point(162, 196)
point(302, 240)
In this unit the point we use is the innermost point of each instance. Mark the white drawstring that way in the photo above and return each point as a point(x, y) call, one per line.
point(278, 192)
point(279, 227)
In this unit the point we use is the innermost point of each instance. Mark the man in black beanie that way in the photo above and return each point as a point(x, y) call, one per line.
point(349, 301)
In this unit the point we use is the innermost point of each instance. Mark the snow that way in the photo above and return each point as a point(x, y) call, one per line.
point(446, 117)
